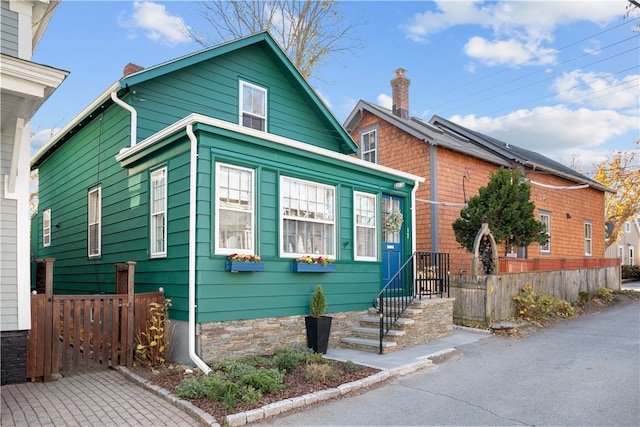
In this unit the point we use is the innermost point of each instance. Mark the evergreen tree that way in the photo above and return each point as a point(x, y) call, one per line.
point(505, 202)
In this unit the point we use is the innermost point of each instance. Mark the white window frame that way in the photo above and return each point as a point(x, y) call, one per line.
point(252, 113)
point(363, 205)
point(627, 227)
point(158, 213)
point(631, 254)
point(244, 242)
point(46, 228)
point(94, 222)
point(291, 209)
point(546, 248)
point(366, 154)
point(588, 238)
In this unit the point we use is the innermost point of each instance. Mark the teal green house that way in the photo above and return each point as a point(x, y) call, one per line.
point(227, 151)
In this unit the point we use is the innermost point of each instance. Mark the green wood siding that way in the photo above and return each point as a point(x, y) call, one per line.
point(209, 88)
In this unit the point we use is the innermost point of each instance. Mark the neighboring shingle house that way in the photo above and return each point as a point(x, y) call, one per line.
point(227, 150)
point(627, 247)
point(25, 87)
point(456, 162)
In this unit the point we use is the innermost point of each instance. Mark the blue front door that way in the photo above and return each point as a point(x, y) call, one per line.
point(391, 242)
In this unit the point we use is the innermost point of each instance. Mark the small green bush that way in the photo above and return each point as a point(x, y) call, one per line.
point(631, 272)
point(249, 394)
point(318, 305)
point(315, 358)
point(264, 380)
point(191, 388)
point(234, 369)
point(286, 359)
point(350, 366)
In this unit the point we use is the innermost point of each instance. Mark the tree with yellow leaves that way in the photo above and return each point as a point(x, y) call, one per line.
point(623, 175)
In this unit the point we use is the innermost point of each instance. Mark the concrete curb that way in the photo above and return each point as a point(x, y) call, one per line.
point(283, 406)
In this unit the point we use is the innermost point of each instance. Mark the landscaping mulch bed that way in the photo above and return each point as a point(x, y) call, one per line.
point(169, 377)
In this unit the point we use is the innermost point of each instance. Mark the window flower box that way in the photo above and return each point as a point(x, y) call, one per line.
point(307, 264)
point(243, 262)
point(236, 266)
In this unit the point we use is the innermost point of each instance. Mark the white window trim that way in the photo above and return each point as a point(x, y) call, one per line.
point(216, 234)
point(163, 211)
point(588, 239)
point(377, 147)
point(46, 228)
point(546, 250)
point(294, 253)
point(241, 102)
point(356, 195)
point(97, 190)
point(627, 227)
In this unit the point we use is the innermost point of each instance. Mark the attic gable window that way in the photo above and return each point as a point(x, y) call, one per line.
point(369, 145)
point(253, 106)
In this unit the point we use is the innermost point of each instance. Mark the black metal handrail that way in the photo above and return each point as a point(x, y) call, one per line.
point(394, 298)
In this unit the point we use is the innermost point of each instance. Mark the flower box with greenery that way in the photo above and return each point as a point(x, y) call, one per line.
point(309, 264)
point(244, 262)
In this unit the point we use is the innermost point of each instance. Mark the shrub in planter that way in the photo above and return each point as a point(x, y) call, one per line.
point(318, 326)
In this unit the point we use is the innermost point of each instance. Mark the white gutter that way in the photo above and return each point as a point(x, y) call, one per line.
point(287, 142)
point(193, 170)
point(134, 117)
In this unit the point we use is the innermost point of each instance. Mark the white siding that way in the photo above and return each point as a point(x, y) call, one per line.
point(8, 263)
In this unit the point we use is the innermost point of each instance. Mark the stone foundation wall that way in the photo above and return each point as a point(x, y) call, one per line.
point(13, 348)
point(237, 338)
point(433, 320)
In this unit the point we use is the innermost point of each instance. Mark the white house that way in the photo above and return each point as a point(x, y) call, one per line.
point(25, 87)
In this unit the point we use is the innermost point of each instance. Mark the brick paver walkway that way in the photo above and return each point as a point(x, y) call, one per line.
point(96, 398)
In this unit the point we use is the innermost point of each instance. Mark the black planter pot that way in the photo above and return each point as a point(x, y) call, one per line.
point(318, 330)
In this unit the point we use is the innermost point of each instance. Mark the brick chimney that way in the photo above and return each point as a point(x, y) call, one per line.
point(400, 94)
point(131, 68)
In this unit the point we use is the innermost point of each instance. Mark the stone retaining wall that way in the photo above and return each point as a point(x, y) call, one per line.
point(433, 320)
point(237, 338)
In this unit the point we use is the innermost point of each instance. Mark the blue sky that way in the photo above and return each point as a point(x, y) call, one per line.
point(559, 77)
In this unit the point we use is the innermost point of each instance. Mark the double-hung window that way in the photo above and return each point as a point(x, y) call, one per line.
point(94, 219)
point(253, 106)
point(46, 228)
point(588, 238)
point(158, 212)
point(545, 218)
point(369, 146)
point(234, 219)
point(307, 218)
point(365, 226)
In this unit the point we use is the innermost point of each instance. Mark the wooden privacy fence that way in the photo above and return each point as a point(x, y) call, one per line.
point(77, 332)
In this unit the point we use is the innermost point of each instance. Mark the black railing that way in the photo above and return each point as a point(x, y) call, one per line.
point(432, 274)
point(423, 274)
point(394, 298)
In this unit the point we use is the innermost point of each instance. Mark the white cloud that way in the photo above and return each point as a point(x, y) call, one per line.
point(156, 23)
point(385, 101)
point(519, 28)
point(507, 52)
point(601, 90)
point(557, 132)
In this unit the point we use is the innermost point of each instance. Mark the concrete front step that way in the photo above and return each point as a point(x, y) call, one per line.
point(367, 344)
point(375, 320)
point(408, 312)
point(374, 333)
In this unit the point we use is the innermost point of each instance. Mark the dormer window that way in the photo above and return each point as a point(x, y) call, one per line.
point(253, 106)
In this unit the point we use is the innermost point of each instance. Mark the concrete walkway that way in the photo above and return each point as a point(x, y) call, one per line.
point(112, 398)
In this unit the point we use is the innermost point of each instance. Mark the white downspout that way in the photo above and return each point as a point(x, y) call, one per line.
point(193, 170)
point(134, 117)
point(413, 217)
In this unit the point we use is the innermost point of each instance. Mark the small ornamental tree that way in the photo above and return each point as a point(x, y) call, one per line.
point(505, 202)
